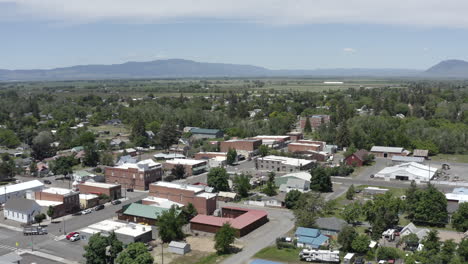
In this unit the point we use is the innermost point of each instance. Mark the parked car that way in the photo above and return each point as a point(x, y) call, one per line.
point(78, 213)
point(359, 260)
point(116, 202)
point(71, 234)
point(99, 207)
point(47, 182)
point(129, 190)
point(75, 237)
point(87, 211)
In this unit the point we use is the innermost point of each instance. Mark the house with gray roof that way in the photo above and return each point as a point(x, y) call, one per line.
point(330, 226)
point(21, 210)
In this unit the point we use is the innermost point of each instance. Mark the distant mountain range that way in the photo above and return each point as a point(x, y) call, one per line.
point(178, 68)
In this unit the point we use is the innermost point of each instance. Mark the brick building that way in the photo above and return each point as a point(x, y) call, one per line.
point(283, 164)
point(192, 166)
point(204, 202)
point(136, 175)
point(306, 145)
point(242, 220)
point(295, 135)
point(246, 147)
point(114, 191)
point(274, 141)
point(64, 201)
point(315, 121)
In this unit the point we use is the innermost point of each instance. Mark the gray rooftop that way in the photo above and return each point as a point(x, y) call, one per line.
point(330, 223)
point(20, 204)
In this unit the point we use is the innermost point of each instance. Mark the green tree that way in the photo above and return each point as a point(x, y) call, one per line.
point(50, 211)
point(270, 187)
point(91, 157)
point(167, 135)
point(7, 169)
point(170, 225)
point(307, 125)
point(39, 218)
point(351, 213)
point(178, 171)
point(320, 181)
point(63, 166)
point(263, 150)
point(8, 138)
point(189, 212)
point(360, 244)
point(95, 250)
point(291, 199)
point(33, 169)
point(447, 251)
point(116, 246)
point(224, 238)
point(431, 244)
point(342, 135)
point(386, 253)
point(41, 146)
point(382, 213)
point(107, 159)
point(242, 185)
point(218, 179)
point(350, 193)
point(411, 200)
point(463, 249)
point(231, 156)
point(138, 135)
point(411, 241)
point(346, 238)
point(460, 218)
point(431, 207)
point(135, 253)
point(308, 209)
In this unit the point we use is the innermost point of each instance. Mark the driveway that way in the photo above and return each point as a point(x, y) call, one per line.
point(281, 221)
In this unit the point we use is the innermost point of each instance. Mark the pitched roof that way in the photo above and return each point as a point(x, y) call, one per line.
point(360, 154)
point(307, 232)
point(421, 152)
point(205, 131)
point(146, 211)
point(330, 223)
point(245, 219)
point(386, 149)
point(20, 204)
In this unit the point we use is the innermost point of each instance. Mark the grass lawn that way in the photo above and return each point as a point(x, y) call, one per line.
point(287, 255)
point(459, 158)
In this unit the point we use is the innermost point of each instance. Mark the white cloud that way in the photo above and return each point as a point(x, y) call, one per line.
point(349, 50)
point(447, 13)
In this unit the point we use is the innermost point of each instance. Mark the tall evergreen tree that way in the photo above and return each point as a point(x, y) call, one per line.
point(307, 125)
point(342, 135)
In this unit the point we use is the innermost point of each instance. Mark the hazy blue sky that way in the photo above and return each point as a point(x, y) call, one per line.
point(277, 34)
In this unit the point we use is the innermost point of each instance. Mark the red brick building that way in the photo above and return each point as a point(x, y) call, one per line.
point(306, 145)
point(192, 166)
point(244, 147)
point(135, 175)
point(242, 219)
point(204, 202)
point(64, 201)
point(295, 135)
point(114, 191)
point(357, 158)
point(315, 121)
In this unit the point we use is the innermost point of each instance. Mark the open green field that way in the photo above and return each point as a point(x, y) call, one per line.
point(286, 255)
point(459, 158)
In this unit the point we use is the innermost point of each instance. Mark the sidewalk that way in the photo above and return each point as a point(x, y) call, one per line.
point(45, 255)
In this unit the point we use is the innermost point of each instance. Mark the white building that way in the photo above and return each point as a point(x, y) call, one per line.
point(283, 164)
point(459, 195)
point(408, 171)
point(19, 190)
point(21, 210)
point(125, 232)
point(180, 248)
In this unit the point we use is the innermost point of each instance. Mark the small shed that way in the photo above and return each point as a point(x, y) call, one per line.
point(180, 248)
point(421, 153)
point(348, 258)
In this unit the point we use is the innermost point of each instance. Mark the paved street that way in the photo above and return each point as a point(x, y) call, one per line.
point(54, 243)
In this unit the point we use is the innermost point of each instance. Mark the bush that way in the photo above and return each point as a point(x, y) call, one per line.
point(280, 243)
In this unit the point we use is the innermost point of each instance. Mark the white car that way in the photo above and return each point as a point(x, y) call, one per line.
point(75, 237)
point(87, 211)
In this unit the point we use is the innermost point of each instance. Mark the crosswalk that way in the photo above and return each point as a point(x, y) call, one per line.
point(7, 247)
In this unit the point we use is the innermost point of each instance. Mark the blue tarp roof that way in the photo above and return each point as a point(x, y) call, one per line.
point(308, 232)
point(460, 190)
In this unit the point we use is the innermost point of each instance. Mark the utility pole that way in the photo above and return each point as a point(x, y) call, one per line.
point(162, 252)
point(64, 232)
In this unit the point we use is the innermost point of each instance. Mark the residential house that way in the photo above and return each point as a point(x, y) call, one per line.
point(310, 238)
point(330, 226)
point(21, 210)
point(412, 229)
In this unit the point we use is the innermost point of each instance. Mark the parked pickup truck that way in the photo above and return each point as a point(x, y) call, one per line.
point(34, 230)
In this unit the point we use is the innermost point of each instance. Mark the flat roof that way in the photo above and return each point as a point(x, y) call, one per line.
point(107, 225)
point(143, 165)
point(242, 140)
point(133, 230)
point(386, 149)
point(60, 191)
point(190, 187)
point(161, 202)
point(88, 196)
point(100, 184)
point(185, 161)
point(288, 161)
point(206, 195)
point(46, 203)
point(271, 137)
point(408, 159)
point(304, 144)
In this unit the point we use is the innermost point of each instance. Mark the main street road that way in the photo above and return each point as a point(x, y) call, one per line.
point(54, 243)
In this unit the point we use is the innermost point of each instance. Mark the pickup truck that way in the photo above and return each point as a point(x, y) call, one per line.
point(34, 230)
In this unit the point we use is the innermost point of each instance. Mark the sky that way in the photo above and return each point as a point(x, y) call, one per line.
point(277, 34)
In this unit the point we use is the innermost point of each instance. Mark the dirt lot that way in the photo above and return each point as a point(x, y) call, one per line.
point(201, 246)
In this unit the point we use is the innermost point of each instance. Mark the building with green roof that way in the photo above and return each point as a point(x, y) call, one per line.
point(140, 213)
